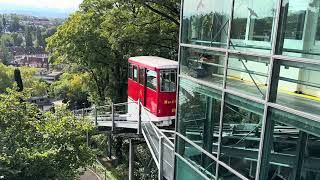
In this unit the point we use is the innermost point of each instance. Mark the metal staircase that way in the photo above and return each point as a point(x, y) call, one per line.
point(161, 145)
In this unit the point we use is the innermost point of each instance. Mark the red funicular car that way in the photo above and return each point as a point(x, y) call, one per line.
point(153, 81)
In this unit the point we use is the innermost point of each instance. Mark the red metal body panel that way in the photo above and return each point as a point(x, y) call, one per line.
point(151, 101)
point(133, 89)
point(166, 104)
point(161, 104)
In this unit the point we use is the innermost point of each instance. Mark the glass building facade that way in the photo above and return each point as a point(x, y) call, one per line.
point(249, 90)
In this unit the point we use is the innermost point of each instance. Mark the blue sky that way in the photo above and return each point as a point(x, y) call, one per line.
point(57, 7)
point(53, 4)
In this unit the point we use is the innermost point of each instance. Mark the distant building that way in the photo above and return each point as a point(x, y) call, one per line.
point(43, 102)
point(36, 61)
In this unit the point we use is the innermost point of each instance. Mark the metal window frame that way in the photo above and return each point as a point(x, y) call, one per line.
point(273, 56)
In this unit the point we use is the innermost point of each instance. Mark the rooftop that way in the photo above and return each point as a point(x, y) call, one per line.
point(154, 62)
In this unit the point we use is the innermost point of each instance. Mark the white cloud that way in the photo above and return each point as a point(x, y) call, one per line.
point(53, 4)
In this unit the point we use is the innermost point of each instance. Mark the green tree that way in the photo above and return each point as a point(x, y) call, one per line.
point(28, 37)
point(6, 78)
point(15, 24)
point(103, 34)
point(4, 22)
point(40, 41)
point(17, 39)
point(32, 85)
point(37, 145)
point(5, 42)
point(18, 79)
point(1, 26)
point(72, 89)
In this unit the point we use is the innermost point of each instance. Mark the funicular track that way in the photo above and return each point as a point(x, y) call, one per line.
point(160, 141)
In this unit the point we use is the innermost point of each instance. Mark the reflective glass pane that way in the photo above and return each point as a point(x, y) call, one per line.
point(252, 25)
point(248, 74)
point(152, 79)
point(300, 29)
point(142, 76)
point(299, 86)
point(130, 71)
point(135, 73)
point(197, 159)
point(199, 114)
point(241, 135)
point(206, 22)
point(184, 171)
point(204, 65)
point(295, 147)
point(168, 80)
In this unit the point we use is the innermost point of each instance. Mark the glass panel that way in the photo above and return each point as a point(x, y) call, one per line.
point(206, 22)
point(168, 81)
point(311, 161)
point(184, 171)
point(199, 160)
point(130, 72)
point(198, 120)
point(204, 65)
point(135, 73)
point(248, 74)
point(152, 79)
point(301, 28)
point(295, 147)
point(299, 86)
point(252, 25)
point(142, 76)
point(241, 135)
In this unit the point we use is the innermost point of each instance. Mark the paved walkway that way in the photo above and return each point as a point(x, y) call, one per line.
point(88, 175)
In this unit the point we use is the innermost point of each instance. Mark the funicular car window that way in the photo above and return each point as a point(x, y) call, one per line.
point(152, 79)
point(142, 76)
point(135, 73)
point(130, 71)
point(168, 81)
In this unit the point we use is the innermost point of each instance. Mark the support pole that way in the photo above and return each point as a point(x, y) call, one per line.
point(109, 145)
point(160, 171)
point(139, 117)
point(95, 116)
point(131, 159)
point(301, 148)
point(112, 117)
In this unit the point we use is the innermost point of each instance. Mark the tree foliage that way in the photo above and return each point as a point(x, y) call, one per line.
point(103, 34)
point(72, 89)
point(33, 85)
point(15, 24)
point(47, 145)
point(28, 37)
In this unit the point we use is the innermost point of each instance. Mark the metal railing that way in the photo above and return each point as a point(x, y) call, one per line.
point(160, 146)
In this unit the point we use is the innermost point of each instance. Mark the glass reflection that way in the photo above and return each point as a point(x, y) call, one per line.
point(204, 65)
point(248, 74)
point(205, 22)
point(240, 136)
point(252, 25)
point(301, 28)
point(299, 86)
point(198, 120)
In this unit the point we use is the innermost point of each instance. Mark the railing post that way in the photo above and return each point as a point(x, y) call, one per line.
point(82, 113)
point(139, 117)
point(95, 116)
point(131, 160)
point(160, 171)
point(112, 117)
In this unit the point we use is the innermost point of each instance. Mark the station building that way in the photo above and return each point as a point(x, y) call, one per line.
point(249, 89)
